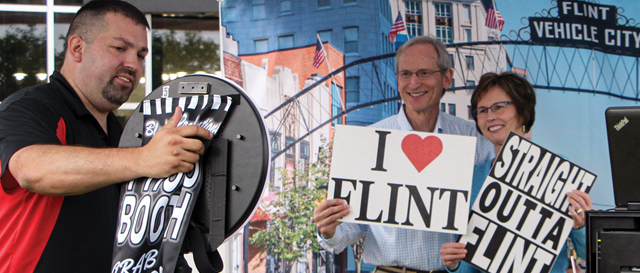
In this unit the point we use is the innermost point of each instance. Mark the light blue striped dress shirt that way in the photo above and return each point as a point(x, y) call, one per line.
point(389, 246)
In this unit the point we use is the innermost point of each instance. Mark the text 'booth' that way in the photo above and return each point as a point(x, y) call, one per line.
point(233, 171)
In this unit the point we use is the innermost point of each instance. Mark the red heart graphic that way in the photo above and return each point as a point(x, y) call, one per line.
point(421, 152)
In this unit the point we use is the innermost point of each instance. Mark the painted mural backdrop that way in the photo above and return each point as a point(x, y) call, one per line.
point(283, 55)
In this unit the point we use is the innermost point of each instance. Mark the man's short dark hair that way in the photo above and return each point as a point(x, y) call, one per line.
point(517, 87)
point(90, 19)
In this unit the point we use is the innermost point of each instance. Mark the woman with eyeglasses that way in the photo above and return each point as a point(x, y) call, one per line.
point(502, 103)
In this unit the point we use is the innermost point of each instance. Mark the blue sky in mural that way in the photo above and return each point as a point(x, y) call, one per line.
point(572, 123)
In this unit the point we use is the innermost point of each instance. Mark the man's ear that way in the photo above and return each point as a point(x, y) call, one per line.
point(75, 48)
point(448, 78)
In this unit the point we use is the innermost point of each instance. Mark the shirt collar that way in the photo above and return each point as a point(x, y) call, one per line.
point(438, 128)
point(404, 124)
point(77, 106)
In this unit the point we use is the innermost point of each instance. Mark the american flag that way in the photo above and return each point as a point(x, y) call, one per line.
point(494, 18)
point(398, 26)
point(320, 55)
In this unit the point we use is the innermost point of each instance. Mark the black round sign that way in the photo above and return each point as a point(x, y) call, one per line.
point(236, 164)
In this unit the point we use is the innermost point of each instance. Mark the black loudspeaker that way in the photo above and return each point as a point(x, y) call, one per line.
point(235, 165)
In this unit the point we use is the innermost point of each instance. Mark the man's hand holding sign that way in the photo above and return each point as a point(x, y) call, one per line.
point(398, 178)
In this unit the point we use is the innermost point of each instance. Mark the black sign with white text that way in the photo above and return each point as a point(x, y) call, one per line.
point(154, 214)
point(520, 220)
point(587, 25)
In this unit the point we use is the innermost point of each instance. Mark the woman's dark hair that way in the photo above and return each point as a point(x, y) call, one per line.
point(517, 87)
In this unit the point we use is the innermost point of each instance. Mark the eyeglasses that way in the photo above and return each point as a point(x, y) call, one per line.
point(496, 108)
point(422, 74)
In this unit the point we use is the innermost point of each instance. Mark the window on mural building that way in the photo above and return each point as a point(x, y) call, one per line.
point(230, 11)
point(390, 107)
point(325, 35)
point(287, 142)
point(336, 100)
point(324, 3)
point(452, 109)
point(275, 142)
point(413, 17)
point(261, 45)
point(467, 32)
point(471, 83)
point(304, 149)
point(470, 63)
point(290, 154)
point(351, 40)
point(352, 85)
point(285, 6)
point(385, 9)
point(258, 9)
point(285, 41)
point(305, 154)
point(466, 10)
point(444, 24)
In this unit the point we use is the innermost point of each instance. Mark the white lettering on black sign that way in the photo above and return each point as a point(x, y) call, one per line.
point(520, 220)
point(155, 213)
point(588, 25)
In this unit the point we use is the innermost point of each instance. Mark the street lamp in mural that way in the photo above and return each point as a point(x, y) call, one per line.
point(23, 59)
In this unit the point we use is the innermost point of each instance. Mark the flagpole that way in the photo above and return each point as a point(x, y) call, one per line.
point(342, 105)
point(495, 12)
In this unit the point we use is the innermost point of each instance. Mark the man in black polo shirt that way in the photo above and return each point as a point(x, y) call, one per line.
point(60, 167)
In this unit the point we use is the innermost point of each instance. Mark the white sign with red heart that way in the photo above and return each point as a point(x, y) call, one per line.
point(403, 179)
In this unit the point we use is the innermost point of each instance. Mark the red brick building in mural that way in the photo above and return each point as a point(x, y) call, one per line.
point(270, 79)
point(300, 61)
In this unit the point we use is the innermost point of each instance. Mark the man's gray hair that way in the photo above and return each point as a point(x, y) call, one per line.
point(444, 61)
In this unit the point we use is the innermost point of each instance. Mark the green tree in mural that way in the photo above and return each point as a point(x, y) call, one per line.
point(291, 231)
point(24, 51)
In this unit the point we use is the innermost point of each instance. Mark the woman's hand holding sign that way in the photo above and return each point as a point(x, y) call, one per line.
point(326, 216)
point(580, 201)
